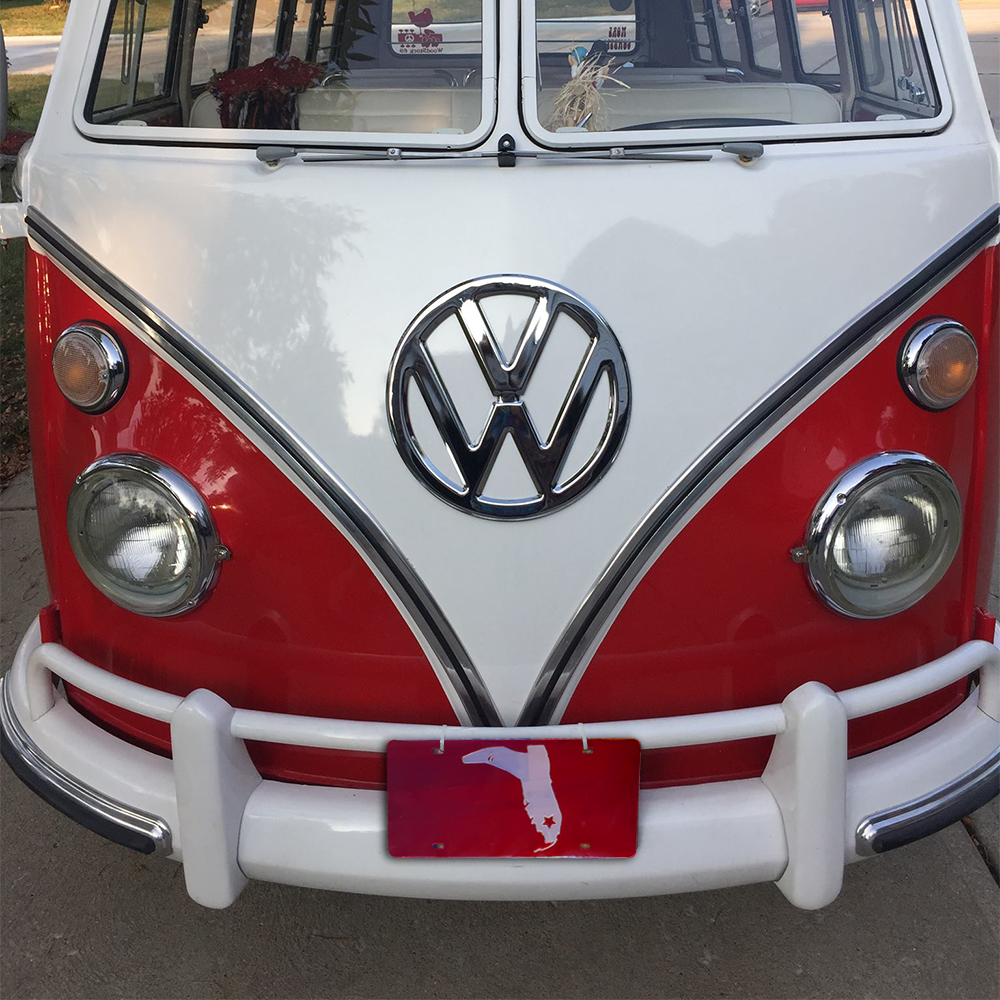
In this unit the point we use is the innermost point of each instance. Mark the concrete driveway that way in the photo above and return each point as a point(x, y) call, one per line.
point(84, 918)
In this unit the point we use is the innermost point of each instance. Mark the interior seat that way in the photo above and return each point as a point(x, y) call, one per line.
point(406, 109)
point(795, 103)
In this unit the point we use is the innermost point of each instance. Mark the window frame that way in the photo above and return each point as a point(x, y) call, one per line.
point(228, 137)
point(665, 138)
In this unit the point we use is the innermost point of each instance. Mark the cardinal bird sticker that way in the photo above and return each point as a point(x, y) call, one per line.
point(512, 798)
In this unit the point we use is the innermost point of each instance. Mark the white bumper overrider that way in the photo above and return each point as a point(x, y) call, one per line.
point(811, 811)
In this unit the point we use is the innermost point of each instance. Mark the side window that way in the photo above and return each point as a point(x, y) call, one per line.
point(256, 31)
point(135, 56)
point(817, 43)
point(726, 13)
point(763, 34)
point(579, 27)
point(211, 44)
point(893, 59)
point(302, 13)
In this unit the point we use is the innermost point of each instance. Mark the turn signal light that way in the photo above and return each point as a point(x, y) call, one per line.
point(89, 367)
point(938, 363)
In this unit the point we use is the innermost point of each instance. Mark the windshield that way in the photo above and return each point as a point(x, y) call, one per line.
point(641, 65)
point(375, 66)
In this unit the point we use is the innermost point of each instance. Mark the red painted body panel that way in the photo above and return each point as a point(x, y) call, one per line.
point(297, 623)
point(724, 619)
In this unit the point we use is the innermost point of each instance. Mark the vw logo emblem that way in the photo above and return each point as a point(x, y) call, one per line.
point(543, 451)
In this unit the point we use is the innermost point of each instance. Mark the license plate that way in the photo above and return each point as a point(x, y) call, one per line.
point(513, 798)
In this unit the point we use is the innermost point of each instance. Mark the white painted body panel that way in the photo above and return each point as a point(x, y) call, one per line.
point(717, 278)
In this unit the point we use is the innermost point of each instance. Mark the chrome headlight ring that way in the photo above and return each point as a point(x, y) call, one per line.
point(876, 596)
point(202, 548)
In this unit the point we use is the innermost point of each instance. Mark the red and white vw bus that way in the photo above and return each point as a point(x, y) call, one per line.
point(601, 392)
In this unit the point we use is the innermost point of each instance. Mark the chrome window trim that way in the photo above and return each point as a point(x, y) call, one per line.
point(909, 356)
point(301, 464)
point(836, 500)
point(572, 651)
point(129, 465)
point(81, 797)
point(533, 127)
point(186, 136)
point(114, 357)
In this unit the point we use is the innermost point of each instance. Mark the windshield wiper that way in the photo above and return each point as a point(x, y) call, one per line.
point(507, 156)
point(274, 156)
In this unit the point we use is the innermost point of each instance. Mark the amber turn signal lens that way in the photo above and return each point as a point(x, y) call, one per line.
point(938, 363)
point(89, 367)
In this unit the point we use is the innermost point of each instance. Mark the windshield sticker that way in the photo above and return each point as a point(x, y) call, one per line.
point(418, 38)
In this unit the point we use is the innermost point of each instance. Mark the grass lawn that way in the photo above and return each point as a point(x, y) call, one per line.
point(27, 94)
point(45, 17)
point(32, 17)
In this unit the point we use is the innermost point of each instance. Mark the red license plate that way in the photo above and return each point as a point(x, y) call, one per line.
point(513, 798)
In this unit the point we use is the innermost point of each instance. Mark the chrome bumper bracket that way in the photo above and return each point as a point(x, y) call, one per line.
point(110, 819)
point(883, 831)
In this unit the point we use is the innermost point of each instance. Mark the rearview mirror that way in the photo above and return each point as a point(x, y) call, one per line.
point(3, 88)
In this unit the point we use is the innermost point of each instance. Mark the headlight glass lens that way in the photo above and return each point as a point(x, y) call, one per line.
point(938, 363)
point(143, 535)
point(884, 535)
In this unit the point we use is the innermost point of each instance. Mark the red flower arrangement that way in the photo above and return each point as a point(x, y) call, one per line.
point(263, 96)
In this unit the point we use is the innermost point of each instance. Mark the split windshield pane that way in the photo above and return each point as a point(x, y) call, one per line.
point(623, 65)
point(374, 66)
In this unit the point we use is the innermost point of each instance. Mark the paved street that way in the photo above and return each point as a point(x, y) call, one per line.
point(83, 918)
point(32, 53)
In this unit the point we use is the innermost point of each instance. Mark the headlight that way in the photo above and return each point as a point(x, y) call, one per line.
point(883, 535)
point(938, 363)
point(143, 535)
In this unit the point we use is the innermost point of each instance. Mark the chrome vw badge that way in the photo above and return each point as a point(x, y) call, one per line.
point(561, 462)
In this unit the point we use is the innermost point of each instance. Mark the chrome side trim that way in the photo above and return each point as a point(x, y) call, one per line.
point(909, 821)
point(569, 656)
point(112, 819)
point(301, 463)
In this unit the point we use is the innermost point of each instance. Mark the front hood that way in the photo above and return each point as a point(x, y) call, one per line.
point(717, 279)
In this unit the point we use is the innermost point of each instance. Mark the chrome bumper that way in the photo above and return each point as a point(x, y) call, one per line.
point(812, 810)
